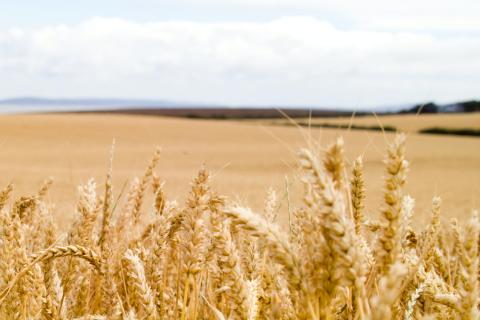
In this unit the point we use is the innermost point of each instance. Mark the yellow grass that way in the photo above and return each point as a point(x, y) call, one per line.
point(245, 158)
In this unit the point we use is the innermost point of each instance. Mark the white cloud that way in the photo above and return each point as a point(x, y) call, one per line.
point(295, 60)
point(430, 14)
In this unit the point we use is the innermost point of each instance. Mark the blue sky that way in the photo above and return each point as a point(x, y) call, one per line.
point(341, 53)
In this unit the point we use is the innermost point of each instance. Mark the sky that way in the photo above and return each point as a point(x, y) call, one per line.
point(306, 53)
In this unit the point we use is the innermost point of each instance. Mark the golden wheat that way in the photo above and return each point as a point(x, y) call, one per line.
point(214, 259)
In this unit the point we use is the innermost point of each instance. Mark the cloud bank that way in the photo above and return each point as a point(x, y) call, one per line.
point(287, 61)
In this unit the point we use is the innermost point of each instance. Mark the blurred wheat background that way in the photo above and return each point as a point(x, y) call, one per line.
point(246, 158)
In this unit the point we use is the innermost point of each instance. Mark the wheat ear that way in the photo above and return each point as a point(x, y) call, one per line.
point(357, 186)
point(53, 253)
point(5, 194)
point(139, 290)
point(334, 162)
point(278, 241)
point(396, 167)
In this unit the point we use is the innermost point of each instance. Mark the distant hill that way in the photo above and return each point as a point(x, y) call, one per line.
point(88, 102)
point(237, 112)
point(162, 108)
point(192, 110)
point(459, 107)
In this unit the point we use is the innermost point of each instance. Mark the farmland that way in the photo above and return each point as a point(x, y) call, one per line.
point(245, 158)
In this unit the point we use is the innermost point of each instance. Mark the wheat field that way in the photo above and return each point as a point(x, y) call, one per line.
point(245, 158)
point(344, 236)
